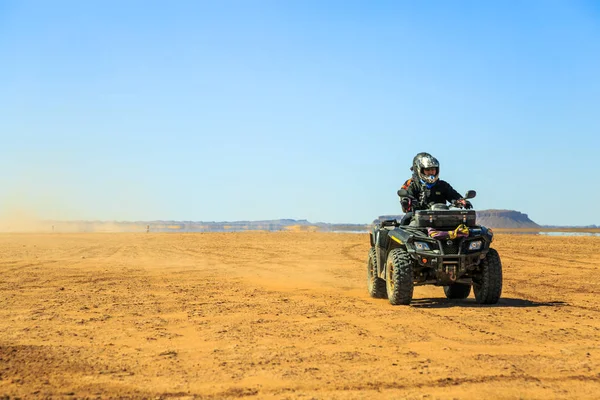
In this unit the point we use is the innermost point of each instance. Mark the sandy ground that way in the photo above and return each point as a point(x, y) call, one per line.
point(286, 316)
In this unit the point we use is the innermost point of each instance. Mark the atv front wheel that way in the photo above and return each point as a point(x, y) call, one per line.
point(399, 277)
point(375, 285)
point(488, 287)
point(457, 291)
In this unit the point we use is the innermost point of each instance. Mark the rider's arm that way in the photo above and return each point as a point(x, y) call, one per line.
point(451, 194)
point(415, 191)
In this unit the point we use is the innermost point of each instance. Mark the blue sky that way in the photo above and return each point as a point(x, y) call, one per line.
point(251, 110)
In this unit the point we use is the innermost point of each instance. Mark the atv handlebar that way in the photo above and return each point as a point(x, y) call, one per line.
point(389, 222)
point(462, 203)
point(457, 203)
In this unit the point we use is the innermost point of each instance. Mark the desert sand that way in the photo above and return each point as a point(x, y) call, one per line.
point(260, 315)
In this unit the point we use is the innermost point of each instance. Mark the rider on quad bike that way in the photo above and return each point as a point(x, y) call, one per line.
point(434, 244)
point(426, 186)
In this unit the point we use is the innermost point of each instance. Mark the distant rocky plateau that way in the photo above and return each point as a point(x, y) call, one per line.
point(491, 218)
point(504, 219)
point(509, 219)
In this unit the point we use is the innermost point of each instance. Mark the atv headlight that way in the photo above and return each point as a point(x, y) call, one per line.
point(422, 246)
point(475, 245)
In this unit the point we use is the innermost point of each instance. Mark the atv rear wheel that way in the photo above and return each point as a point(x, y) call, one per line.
point(457, 291)
point(399, 277)
point(375, 285)
point(488, 287)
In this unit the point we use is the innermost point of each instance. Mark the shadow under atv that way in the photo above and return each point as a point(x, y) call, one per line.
point(503, 302)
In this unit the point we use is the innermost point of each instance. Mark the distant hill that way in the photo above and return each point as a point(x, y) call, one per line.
point(290, 225)
point(504, 219)
point(571, 226)
point(489, 218)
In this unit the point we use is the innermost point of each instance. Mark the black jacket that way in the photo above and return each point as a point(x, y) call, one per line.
point(440, 192)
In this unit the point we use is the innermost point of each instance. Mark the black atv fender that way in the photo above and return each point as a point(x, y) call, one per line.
point(400, 237)
point(386, 241)
point(380, 240)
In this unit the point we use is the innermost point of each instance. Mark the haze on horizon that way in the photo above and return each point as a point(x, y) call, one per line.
point(231, 110)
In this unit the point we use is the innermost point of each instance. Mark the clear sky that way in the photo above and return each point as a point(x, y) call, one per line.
point(251, 110)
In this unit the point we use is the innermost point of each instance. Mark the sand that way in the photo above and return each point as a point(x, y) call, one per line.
point(259, 315)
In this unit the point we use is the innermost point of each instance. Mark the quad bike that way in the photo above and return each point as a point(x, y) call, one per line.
point(442, 247)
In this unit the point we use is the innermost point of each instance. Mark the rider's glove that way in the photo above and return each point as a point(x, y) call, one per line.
point(464, 203)
point(405, 203)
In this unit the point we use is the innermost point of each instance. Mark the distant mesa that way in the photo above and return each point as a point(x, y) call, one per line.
point(504, 219)
point(490, 219)
point(278, 225)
